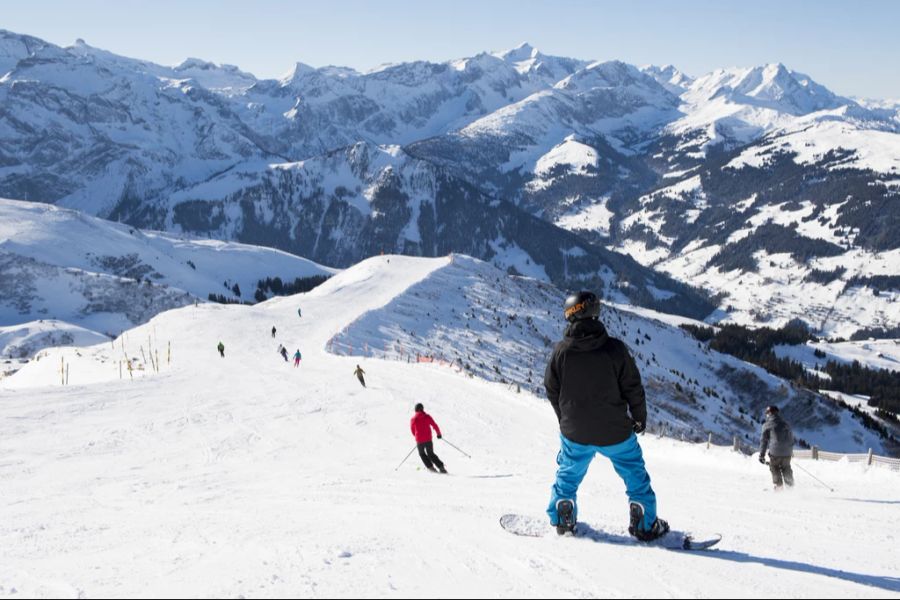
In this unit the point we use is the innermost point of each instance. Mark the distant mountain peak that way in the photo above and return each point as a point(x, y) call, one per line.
point(523, 51)
point(298, 71)
point(670, 77)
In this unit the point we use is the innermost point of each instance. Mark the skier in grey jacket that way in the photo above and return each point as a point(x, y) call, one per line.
point(778, 439)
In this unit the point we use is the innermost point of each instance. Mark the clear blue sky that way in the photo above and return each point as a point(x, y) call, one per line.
point(850, 47)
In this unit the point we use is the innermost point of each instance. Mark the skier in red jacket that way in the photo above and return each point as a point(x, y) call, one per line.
point(421, 425)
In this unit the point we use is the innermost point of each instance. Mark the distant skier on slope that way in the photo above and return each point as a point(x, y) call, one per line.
point(297, 358)
point(778, 439)
point(221, 349)
point(421, 425)
point(283, 352)
point(299, 313)
point(592, 383)
point(273, 331)
point(359, 375)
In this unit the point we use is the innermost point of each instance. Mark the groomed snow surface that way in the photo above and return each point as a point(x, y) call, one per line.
point(245, 477)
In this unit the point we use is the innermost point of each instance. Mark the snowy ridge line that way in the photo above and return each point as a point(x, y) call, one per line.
point(813, 453)
point(501, 328)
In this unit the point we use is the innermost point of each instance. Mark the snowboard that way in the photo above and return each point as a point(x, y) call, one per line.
point(674, 540)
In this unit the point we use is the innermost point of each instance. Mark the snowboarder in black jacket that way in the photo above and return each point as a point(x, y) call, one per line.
point(595, 388)
point(778, 439)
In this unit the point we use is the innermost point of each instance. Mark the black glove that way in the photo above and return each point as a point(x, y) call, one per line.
point(638, 426)
point(439, 436)
point(762, 459)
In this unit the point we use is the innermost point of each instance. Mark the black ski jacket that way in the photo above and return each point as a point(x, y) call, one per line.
point(593, 383)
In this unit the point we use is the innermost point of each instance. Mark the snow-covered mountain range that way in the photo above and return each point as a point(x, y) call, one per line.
point(758, 184)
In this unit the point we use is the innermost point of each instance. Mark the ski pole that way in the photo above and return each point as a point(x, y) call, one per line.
point(407, 456)
point(457, 449)
point(831, 489)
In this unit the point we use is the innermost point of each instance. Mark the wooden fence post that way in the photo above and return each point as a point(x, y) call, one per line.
point(737, 447)
point(815, 453)
point(869, 460)
point(709, 441)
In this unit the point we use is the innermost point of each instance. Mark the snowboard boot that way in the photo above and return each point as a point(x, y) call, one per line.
point(566, 511)
point(636, 517)
point(656, 531)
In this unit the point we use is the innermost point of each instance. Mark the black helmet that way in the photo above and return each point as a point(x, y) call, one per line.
point(772, 410)
point(583, 305)
point(419, 407)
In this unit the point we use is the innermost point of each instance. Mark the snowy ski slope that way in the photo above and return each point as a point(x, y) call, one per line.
point(245, 477)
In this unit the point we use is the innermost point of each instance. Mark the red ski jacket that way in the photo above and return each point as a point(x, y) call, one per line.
point(421, 425)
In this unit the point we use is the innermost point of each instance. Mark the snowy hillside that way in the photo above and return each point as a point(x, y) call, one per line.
point(476, 319)
point(62, 265)
point(23, 341)
point(875, 354)
point(829, 259)
point(18, 343)
point(245, 476)
point(487, 324)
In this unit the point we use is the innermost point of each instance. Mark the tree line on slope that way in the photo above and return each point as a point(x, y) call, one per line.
point(756, 346)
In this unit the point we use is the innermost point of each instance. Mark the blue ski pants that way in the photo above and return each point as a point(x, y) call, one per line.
point(628, 461)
